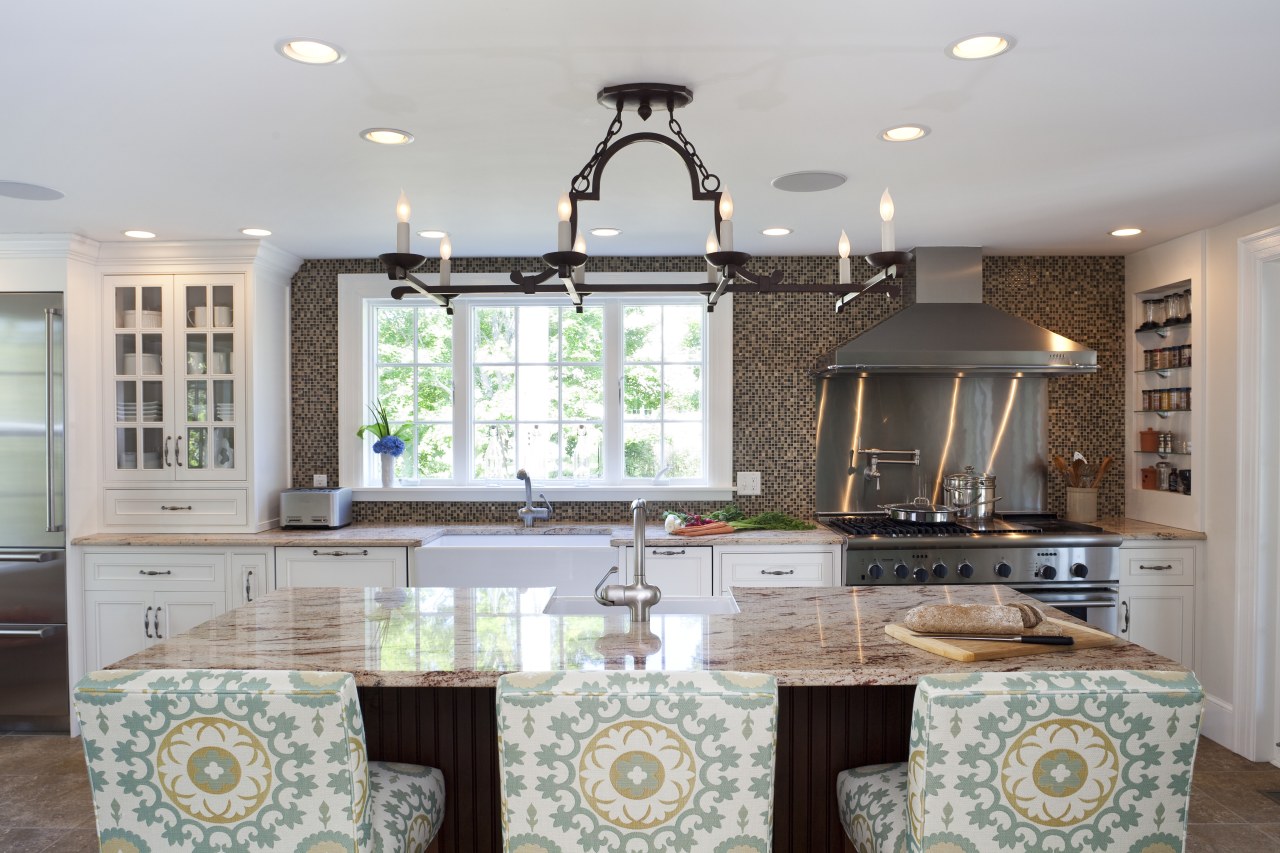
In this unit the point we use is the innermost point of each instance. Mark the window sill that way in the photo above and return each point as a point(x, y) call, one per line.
point(561, 494)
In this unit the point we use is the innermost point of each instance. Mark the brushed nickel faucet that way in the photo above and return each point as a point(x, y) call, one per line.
point(638, 597)
point(530, 513)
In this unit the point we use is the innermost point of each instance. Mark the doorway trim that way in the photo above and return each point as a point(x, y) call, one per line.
point(1258, 505)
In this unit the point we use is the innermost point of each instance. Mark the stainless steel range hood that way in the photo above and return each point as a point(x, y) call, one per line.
point(950, 330)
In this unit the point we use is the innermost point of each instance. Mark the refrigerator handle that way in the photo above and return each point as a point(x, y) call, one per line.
point(51, 525)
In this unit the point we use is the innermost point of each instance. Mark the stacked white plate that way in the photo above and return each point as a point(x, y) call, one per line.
point(151, 411)
point(224, 412)
point(149, 362)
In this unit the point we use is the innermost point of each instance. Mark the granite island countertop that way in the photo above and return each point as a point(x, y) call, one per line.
point(1131, 528)
point(467, 637)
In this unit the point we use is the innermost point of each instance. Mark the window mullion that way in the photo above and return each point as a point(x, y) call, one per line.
point(463, 432)
point(613, 349)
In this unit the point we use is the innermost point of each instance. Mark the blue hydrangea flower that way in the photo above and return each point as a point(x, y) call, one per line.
point(391, 444)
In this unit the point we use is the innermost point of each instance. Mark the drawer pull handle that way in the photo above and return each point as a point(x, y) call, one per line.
point(778, 572)
point(176, 508)
point(146, 623)
point(1156, 568)
point(363, 553)
point(153, 572)
point(658, 553)
point(159, 636)
point(248, 578)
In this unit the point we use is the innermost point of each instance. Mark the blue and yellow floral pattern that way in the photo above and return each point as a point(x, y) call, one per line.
point(1096, 761)
point(204, 760)
point(637, 761)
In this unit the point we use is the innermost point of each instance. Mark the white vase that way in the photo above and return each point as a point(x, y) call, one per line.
point(388, 470)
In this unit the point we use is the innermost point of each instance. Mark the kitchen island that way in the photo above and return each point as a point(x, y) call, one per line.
point(426, 661)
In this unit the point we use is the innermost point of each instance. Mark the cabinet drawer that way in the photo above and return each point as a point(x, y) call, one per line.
point(679, 571)
point(1157, 566)
point(150, 508)
point(342, 565)
point(775, 569)
point(155, 570)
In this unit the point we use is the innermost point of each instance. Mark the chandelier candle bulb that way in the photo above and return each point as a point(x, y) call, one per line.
point(713, 246)
point(564, 235)
point(580, 271)
point(402, 223)
point(446, 252)
point(726, 223)
point(846, 276)
point(886, 223)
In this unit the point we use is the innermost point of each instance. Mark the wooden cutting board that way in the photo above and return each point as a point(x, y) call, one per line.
point(975, 650)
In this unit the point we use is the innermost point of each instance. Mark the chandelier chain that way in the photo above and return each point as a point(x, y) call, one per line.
point(582, 181)
point(707, 177)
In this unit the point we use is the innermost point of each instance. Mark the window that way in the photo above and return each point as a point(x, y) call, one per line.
point(629, 391)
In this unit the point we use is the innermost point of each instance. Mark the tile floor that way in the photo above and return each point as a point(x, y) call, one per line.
point(45, 803)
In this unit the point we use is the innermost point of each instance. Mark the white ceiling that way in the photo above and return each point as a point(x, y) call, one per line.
point(180, 118)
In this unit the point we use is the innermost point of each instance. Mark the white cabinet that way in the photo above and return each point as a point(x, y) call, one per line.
point(678, 570)
point(1157, 599)
point(342, 566)
point(136, 597)
point(251, 575)
point(781, 566)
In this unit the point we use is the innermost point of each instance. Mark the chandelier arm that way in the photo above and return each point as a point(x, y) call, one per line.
point(582, 180)
point(691, 153)
point(881, 282)
point(772, 279)
point(696, 192)
point(523, 280)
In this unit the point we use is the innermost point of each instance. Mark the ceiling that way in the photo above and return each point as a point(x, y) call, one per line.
point(180, 118)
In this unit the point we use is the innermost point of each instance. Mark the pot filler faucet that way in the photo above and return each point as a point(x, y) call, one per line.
point(638, 597)
point(530, 513)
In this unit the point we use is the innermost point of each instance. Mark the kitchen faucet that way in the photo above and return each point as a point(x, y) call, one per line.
point(530, 513)
point(638, 597)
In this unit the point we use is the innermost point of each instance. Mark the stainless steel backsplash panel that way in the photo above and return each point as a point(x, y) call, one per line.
point(997, 424)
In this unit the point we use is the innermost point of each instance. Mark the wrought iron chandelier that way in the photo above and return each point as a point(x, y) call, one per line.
point(727, 269)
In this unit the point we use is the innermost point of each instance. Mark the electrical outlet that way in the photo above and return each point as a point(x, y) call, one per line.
point(319, 481)
point(748, 482)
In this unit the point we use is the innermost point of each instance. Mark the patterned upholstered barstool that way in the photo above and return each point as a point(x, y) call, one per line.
point(1034, 761)
point(637, 761)
point(197, 760)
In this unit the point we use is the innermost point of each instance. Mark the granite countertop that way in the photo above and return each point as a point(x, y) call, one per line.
point(1131, 528)
point(658, 536)
point(466, 637)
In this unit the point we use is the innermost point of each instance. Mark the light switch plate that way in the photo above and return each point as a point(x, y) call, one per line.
point(748, 482)
point(319, 481)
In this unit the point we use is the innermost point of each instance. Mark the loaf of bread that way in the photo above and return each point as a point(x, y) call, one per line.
point(996, 619)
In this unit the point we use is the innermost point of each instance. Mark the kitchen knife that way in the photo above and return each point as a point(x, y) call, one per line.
point(1039, 640)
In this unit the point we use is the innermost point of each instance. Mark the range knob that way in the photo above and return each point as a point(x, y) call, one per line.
point(1048, 573)
point(901, 570)
point(1079, 570)
point(876, 571)
point(939, 570)
point(1003, 569)
point(921, 574)
point(965, 570)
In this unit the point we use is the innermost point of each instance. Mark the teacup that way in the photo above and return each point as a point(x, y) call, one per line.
point(198, 316)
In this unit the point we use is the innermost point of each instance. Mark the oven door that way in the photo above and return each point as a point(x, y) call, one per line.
point(1095, 604)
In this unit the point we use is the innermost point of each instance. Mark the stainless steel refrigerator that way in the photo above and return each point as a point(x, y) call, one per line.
point(33, 557)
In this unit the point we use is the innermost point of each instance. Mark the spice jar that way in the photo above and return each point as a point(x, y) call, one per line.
point(1162, 476)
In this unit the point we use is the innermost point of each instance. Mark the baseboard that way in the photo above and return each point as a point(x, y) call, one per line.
point(1219, 722)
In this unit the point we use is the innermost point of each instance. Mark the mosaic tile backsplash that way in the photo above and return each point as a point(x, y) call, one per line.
point(777, 339)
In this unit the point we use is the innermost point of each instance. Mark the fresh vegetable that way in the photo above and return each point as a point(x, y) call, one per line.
point(771, 521)
point(671, 523)
point(728, 512)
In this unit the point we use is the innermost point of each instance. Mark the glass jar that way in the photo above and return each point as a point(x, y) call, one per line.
point(1147, 360)
point(1186, 305)
point(1146, 400)
point(1173, 308)
point(1162, 475)
point(1152, 313)
point(1166, 400)
point(1185, 360)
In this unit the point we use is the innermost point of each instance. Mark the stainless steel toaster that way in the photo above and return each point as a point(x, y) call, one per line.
point(315, 507)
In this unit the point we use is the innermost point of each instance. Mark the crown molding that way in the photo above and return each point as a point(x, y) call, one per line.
point(62, 246)
point(167, 253)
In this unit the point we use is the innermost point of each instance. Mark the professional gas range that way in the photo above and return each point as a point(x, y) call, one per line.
point(1072, 566)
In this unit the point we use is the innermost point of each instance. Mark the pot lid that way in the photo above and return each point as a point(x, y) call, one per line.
point(969, 476)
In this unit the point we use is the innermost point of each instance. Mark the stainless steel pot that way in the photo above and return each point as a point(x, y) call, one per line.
point(970, 494)
point(920, 511)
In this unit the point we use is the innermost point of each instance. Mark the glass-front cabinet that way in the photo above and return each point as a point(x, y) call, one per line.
point(177, 373)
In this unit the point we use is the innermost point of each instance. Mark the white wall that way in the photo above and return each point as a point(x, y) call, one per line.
point(1210, 257)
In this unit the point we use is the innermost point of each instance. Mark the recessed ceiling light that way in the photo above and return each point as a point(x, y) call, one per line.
point(776, 232)
point(28, 192)
point(387, 136)
point(808, 182)
point(139, 235)
point(433, 234)
point(1126, 232)
point(310, 51)
point(905, 133)
point(982, 46)
point(255, 232)
point(605, 232)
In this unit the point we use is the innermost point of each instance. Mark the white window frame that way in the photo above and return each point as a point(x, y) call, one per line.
point(355, 463)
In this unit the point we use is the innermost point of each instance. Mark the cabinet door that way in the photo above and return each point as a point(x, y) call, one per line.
point(679, 571)
point(342, 566)
point(139, 373)
point(250, 577)
point(179, 612)
point(117, 624)
point(208, 355)
point(1160, 618)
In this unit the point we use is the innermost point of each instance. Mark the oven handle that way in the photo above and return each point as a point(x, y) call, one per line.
point(1054, 598)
